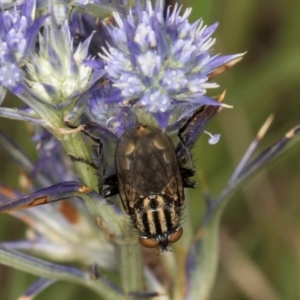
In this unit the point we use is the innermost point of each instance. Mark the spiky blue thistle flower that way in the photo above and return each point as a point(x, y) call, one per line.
point(18, 30)
point(161, 63)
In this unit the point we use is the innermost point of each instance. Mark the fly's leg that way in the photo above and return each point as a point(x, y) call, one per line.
point(113, 189)
point(187, 181)
point(112, 180)
point(186, 148)
point(185, 172)
point(94, 271)
point(99, 166)
point(100, 161)
point(83, 160)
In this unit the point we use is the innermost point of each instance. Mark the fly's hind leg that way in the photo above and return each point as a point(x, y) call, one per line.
point(187, 181)
point(187, 151)
point(184, 171)
point(188, 172)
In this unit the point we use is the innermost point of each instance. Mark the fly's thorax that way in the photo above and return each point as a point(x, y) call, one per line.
point(156, 215)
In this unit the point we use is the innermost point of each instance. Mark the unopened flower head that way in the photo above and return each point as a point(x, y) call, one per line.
point(57, 72)
point(160, 63)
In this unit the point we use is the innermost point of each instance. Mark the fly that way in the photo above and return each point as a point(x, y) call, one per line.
point(150, 185)
point(150, 181)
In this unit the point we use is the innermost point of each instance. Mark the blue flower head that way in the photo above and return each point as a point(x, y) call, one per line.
point(17, 33)
point(160, 64)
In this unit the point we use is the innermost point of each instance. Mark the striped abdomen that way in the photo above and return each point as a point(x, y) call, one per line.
point(156, 215)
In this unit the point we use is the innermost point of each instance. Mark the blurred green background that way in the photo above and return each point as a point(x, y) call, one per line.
point(260, 230)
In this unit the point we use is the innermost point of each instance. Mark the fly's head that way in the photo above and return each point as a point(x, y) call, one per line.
point(157, 220)
point(162, 240)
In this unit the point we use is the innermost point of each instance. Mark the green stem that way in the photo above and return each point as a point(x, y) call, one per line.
point(206, 249)
point(130, 267)
point(128, 254)
point(74, 144)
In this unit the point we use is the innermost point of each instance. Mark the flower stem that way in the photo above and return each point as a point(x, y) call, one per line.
point(130, 267)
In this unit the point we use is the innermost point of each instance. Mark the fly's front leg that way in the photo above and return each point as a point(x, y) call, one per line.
point(100, 162)
point(83, 160)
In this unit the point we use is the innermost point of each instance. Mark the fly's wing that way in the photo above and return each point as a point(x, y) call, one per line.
point(157, 166)
point(146, 164)
point(124, 156)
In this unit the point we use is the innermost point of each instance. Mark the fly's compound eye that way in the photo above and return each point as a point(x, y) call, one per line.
point(176, 235)
point(148, 243)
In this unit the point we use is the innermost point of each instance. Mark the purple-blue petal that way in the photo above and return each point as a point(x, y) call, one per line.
point(96, 75)
point(74, 69)
point(203, 100)
point(114, 97)
point(218, 61)
point(33, 30)
point(54, 60)
point(163, 46)
point(18, 89)
point(210, 30)
point(51, 90)
point(28, 8)
point(162, 118)
point(93, 63)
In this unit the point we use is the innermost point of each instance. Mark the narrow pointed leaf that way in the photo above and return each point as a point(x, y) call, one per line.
point(19, 115)
point(60, 191)
point(46, 269)
point(36, 288)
